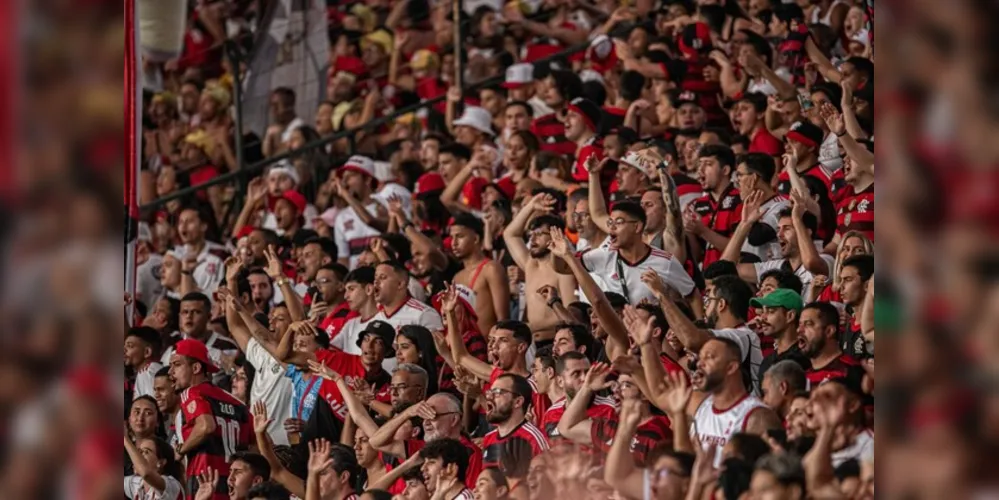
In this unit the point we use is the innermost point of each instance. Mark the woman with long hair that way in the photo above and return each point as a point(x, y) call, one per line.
point(852, 243)
point(415, 345)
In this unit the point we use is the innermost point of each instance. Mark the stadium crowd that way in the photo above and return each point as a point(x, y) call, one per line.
point(640, 269)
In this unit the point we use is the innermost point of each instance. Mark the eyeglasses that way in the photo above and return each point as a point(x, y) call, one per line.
point(579, 215)
point(618, 222)
point(666, 472)
point(322, 281)
point(497, 391)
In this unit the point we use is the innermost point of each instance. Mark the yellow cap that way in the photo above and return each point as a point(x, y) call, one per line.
point(424, 59)
point(218, 92)
point(200, 139)
point(381, 38)
point(366, 16)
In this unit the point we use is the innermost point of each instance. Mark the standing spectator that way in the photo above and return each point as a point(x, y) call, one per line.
point(142, 344)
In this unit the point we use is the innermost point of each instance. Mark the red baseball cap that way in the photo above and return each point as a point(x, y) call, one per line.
point(472, 193)
point(296, 199)
point(196, 350)
point(429, 182)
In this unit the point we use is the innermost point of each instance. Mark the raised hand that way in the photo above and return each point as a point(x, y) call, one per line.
point(449, 298)
point(751, 207)
point(829, 413)
point(543, 202)
point(454, 95)
point(675, 394)
point(548, 292)
point(790, 158)
point(720, 58)
point(233, 265)
point(627, 364)
point(692, 222)
point(631, 414)
point(559, 244)
point(440, 341)
point(275, 269)
point(319, 456)
point(594, 164)
point(640, 330)
point(833, 119)
point(655, 283)
point(256, 191)
point(596, 377)
point(190, 262)
point(207, 482)
point(321, 370)
point(260, 420)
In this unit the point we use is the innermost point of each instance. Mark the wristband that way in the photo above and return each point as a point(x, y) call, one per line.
point(282, 281)
point(841, 135)
point(552, 302)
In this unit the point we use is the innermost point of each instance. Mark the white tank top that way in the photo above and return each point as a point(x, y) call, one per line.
point(714, 428)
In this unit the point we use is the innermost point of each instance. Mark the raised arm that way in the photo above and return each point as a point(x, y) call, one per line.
point(673, 232)
point(620, 471)
point(822, 63)
point(810, 257)
point(689, 334)
point(673, 396)
point(513, 235)
point(275, 270)
point(731, 84)
point(379, 222)
point(143, 469)
point(751, 214)
point(451, 196)
point(597, 204)
point(279, 473)
point(574, 425)
point(383, 439)
point(285, 354)
point(256, 191)
point(459, 352)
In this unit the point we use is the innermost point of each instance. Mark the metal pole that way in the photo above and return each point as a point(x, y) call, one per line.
point(232, 52)
point(458, 66)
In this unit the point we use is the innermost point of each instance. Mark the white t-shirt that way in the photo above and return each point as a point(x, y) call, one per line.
point(137, 489)
point(583, 245)
point(350, 332)
point(272, 387)
point(829, 154)
point(771, 208)
point(148, 287)
point(412, 312)
point(749, 346)
point(861, 449)
point(606, 264)
point(715, 428)
point(144, 380)
point(803, 274)
point(210, 269)
point(352, 234)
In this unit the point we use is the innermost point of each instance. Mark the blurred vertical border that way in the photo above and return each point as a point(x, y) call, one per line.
point(62, 143)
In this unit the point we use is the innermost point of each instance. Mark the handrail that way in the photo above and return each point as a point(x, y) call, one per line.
point(343, 134)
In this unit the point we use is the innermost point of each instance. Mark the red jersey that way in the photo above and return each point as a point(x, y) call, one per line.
point(551, 132)
point(655, 432)
point(764, 142)
point(336, 318)
point(539, 400)
point(784, 180)
point(601, 407)
point(350, 367)
point(842, 367)
point(493, 443)
point(855, 211)
point(233, 432)
point(721, 216)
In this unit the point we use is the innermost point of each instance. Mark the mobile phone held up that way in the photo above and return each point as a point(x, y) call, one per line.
point(805, 102)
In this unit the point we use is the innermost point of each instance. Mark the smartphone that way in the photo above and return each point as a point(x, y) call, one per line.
point(805, 102)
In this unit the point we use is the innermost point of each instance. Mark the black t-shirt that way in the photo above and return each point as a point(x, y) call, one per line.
point(794, 354)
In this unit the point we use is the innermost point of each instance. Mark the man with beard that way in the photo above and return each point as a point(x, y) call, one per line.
point(442, 419)
point(537, 262)
point(799, 254)
point(574, 415)
point(727, 303)
point(395, 305)
point(485, 277)
point(201, 260)
point(819, 340)
point(507, 402)
point(728, 407)
point(714, 216)
point(779, 324)
point(375, 343)
point(213, 424)
point(755, 172)
point(621, 266)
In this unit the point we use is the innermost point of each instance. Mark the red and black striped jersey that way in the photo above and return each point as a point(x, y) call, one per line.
point(233, 432)
point(493, 443)
point(817, 171)
point(655, 432)
point(600, 407)
point(721, 216)
point(539, 400)
point(550, 131)
point(855, 211)
point(842, 367)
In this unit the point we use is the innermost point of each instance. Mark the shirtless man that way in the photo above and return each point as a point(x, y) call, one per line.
point(535, 259)
point(485, 277)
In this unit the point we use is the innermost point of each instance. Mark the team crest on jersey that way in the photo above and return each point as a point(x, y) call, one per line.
point(727, 202)
point(348, 225)
point(212, 267)
point(863, 206)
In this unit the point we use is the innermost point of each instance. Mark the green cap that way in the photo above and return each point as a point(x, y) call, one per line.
point(781, 297)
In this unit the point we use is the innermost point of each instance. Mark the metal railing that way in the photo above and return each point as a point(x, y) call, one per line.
point(245, 173)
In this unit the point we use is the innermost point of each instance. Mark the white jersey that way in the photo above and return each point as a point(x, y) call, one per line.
point(350, 332)
point(144, 380)
point(803, 274)
point(310, 214)
point(272, 387)
point(713, 427)
point(749, 347)
point(351, 234)
point(218, 347)
point(861, 449)
point(148, 287)
point(466, 494)
point(624, 278)
point(412, 312)
point(771, 208)
point(137, 489)
point(210, 269)
point(583, 245)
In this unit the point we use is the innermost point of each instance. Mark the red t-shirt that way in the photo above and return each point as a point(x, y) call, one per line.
point(233, 432)
point(764, 142)
point(350, 367)
point(655, 432)
point(493, 443)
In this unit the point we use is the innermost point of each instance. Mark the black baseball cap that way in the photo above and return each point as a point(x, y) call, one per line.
point(382, 330)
